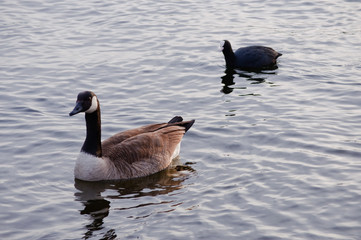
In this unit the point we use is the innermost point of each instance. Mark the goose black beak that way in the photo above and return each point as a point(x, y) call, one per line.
point(77, 109)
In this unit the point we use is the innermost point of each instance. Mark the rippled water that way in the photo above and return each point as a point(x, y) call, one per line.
point(273, 155)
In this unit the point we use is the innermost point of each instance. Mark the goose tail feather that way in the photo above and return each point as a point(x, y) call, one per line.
point(179, 121)
point(176, 119)
point(188, 124)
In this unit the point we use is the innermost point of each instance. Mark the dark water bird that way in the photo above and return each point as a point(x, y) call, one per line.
point(130, 154)
point(252, 58)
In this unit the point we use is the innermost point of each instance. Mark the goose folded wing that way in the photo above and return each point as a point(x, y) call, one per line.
point(146, 153)
point(120, 137)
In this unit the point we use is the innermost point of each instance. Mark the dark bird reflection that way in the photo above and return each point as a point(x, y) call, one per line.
point(253, 77)
point(97, 207)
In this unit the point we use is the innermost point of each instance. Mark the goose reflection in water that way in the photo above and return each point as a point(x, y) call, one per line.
point(98, 206)
point(253, 77)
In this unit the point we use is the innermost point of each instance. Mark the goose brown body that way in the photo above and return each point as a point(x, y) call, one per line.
point(145, 150)
point(133, 153)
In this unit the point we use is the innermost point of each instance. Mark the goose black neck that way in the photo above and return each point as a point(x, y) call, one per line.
point(92, 144)
point(229, 57)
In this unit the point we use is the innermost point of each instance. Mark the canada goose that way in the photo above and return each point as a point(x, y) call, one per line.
point(133, 153)
point(249, 58)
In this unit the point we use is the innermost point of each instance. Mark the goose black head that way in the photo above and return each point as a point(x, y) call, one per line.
point(86, 102)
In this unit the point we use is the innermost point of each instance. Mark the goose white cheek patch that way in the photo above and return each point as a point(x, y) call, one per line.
point(94, 105)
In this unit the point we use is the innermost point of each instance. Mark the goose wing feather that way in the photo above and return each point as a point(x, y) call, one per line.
point(119, 137)
point(143, 151)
